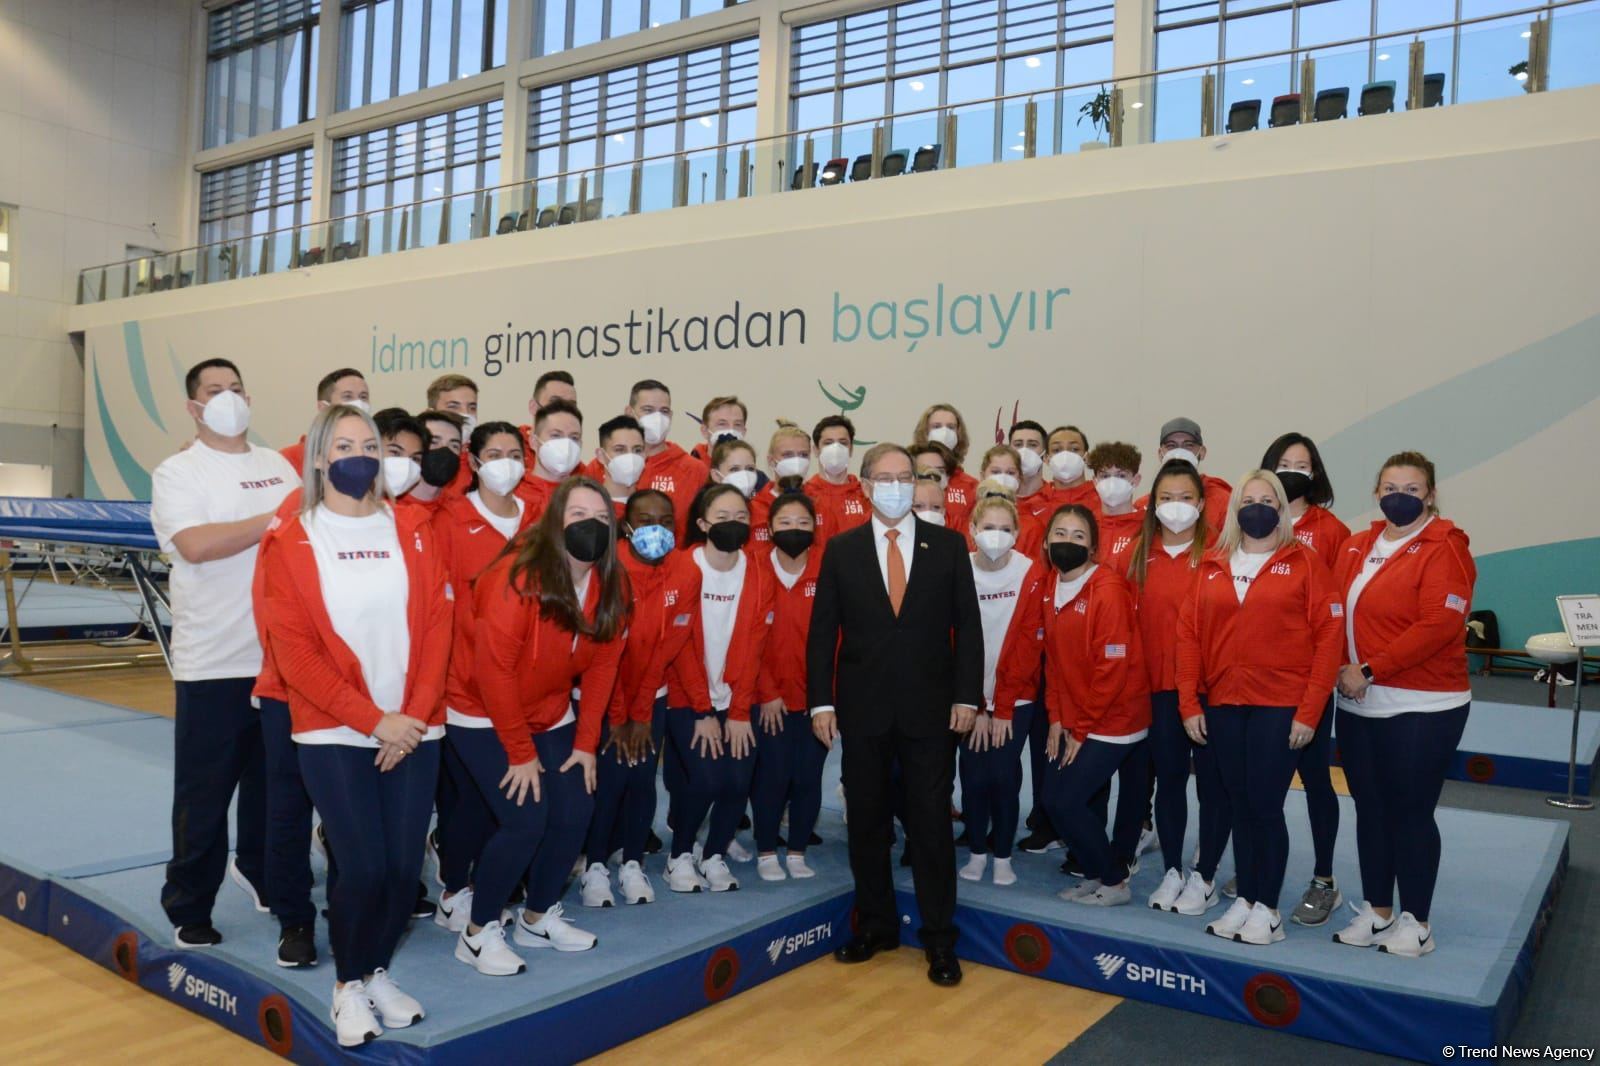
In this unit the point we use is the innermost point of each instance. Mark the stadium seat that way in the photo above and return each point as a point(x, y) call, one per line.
point(861, 169)
point(508, 224)
point(591, 209)
point(1331, 104)
point(567, 215)
point(1244, 115)
point(833, 172)
point(1432, 90)
point(894, 164)
point(927, 158)
point(546, 219)
point(803, 180)
point(1377, 97)
point(1285, 110)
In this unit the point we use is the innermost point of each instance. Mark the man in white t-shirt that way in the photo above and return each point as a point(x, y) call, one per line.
point(210, 504)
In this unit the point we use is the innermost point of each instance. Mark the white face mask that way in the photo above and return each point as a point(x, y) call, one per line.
point(1008, 480)
point(400, 473)
point(1182, 453)
point(655, 426)
point(835, 458)
point(1066, 466)
point(994, 542)
point(1032, 461)
point(792, 466)
point(945, 435)
point(743, 480)
point(226, 414)
point(500, 476)
point(726, 433)
point(1177, 515)
point(1114, 491)
point(625, 469)
point(934, 516)
point(468, 424)
point(362, 406)
point(559, 455)
point(893, 499)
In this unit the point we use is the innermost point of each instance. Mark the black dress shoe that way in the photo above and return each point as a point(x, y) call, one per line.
point(944, 968)
point(862, 947)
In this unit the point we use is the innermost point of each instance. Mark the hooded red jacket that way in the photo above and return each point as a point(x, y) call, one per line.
point(752, 623)
point(1118, 534)
point(1319, 530)
point(1410, 619)
point(840, 508)
point(960, 496)
point(672, 471)
point(666, 616)
point(1095, 679)
point(1021, 661)
point(783, 661)
point(1168, 582)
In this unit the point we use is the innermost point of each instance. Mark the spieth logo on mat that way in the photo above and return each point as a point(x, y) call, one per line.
point(179, 977)
point(788, 945)
point(1110, 965)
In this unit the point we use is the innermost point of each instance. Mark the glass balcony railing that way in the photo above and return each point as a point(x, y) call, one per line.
point(1550, 46)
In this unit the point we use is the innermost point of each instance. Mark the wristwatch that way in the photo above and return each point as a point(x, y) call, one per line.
point(1366, 672)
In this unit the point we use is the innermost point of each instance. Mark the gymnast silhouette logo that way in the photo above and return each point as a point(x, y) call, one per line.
point(1109, 965)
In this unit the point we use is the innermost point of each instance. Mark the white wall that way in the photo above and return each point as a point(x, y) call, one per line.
point(93, 150)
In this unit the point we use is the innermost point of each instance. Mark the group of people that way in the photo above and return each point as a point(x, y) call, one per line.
point(408, 615)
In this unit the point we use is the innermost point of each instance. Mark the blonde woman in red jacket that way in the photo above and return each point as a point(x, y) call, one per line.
point(1403, 697)
point(551, 614)
point(1259, 637)
point(359, 621)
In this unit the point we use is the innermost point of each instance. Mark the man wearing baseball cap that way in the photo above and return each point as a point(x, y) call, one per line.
point(1181, 439)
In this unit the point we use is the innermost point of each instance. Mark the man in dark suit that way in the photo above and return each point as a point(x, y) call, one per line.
point(895, 597)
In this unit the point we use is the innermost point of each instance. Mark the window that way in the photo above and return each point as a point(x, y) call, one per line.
point(261, 68)
point(564, 24)
point(940, 54)
point(256, 197)
point(695, 100)
point(7, 214)
point(391, 47)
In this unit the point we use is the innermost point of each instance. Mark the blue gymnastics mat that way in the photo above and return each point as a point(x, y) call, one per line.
point(1527, 746)
point(48, 611)
point(85, 867)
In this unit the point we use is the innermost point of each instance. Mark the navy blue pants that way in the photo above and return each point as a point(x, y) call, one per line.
point(788, 773)
point(1071, 797)
point(625, 796)
point(465, 822)
point(217, 750)
point(541, 839)
point(991, 787)
point(1322, 803)
point(287, 885)
point(1396, 767)
point(377, 823)
point(1173, 752)
point(1039, 769)
point(1251, 746)
point(720, 786)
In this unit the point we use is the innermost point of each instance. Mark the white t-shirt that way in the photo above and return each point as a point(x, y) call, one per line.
point(507, 527)
point(789, 580)
point(1245, 566)
point(1067, 591)
point(719, 606)
point(213, 621)
point(1175, 550)
point(365, 590)
point(998, 591)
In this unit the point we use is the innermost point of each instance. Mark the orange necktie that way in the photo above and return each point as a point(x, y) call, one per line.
point(897, 572)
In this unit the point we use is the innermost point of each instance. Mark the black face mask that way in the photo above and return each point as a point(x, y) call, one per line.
point(793, 542)
point(586, 540)
point(1066, 555)
point(1258, 520)
point(729, 536)
point(440, 466)
point(1296, 483)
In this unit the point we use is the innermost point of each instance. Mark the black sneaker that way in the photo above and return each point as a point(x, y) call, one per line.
point(1038, 842)
point(1072, 867)
point(816, 841)
point(199, 935)
point(424, 907)
point(297, 947)
point(744, 821)
point(652, 844)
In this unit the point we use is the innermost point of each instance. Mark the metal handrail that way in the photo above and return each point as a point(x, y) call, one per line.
point(1023, 95)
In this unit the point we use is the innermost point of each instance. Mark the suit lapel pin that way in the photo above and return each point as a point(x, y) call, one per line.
point(922, 544)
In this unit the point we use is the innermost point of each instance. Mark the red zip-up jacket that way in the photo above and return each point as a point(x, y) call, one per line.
point(840, 508)
point(1410, 619)
point(1319, 530)
point(1017, 671)
point(527, 665)
point(1083, 495)
point(269, 683)
point(535, 491)
point(960, 496)
point(295, 453)
point(1118, 534)
point(672, 471)
point(783, 661)
point(1279, 648)
point(760, 545)
point(1095, 679)
point(320, 672)
point(468, 543)
point(752, 623)
point(1168, 582)
point(666, 617)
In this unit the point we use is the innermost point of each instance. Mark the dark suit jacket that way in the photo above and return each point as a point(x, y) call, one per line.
point(900, 672)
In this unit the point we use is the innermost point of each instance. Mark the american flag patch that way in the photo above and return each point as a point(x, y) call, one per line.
point(1038, 634)
point(449, 592)
point(1116, 651)
point(681, 620)
point(770, 616)
point(1337, 609)
point(1456, 603)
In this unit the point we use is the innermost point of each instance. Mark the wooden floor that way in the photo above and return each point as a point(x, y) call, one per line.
point(56, 1006)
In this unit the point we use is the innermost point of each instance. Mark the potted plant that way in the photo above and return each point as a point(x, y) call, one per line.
point(1098, 112)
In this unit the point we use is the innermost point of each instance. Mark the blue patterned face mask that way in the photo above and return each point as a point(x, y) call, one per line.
point(652, 543)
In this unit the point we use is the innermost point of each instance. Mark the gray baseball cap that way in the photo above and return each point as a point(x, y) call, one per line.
point(1181, 425)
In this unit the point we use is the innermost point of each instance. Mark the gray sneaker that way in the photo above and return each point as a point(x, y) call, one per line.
point(1322, 898)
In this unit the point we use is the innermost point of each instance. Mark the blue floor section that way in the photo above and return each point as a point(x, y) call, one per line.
point(1524, 746)
point(48, 611)
point(85, 868)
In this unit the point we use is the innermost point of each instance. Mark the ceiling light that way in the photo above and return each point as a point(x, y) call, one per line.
point(1383, 57)
point(1018, 148)
point(1248, 81)
point(1137, 104)
point(1527, 33)
point(1032, 61)
point(916, 86)
point(705, 121)
point(1522, 75)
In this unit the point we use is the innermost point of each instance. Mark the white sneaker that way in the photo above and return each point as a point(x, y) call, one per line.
point(1107, 896)
point(738, 852)
point(1003, 873)
point(1165, 897)
point(1232, 920)
point(1264, 926)
point(768, 868)
point(1147, 840)
point(974, 867)
point(1409, 938)
point(1197, 896)
point(1231, 889)
point(797, 866)
point(1366, 929)
point(396, 1008)
point(1082, 888)
point(635, 884)
point(594, 890)
point(552, 931)
point(487, 952)
point(238, 878)
point(715, 870)
point(454, 913)
point(353, 1020)
point(682, 876)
